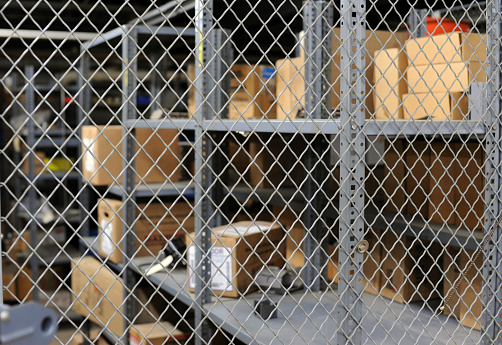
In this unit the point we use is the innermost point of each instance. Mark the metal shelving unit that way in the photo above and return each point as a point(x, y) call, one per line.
point(353, 128)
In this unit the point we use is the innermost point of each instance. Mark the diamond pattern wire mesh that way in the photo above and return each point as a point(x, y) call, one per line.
point(269, 172)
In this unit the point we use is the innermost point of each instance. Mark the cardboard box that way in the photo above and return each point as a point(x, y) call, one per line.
point(465, 302)
point(451, 269)
point(239, 250)
point(438, 106)
point(389, 80)
point(39, 163)
point(418, 179)
point(252, 90)
point(446, 49)
point(102, 163)
point(469, 189)
point(156, 333)
point(442, 183)
point(291, 99)
point(452, 77)
point(395, 176)
point(471, 289)
point(295, 234)
point(99, 295)
point(411, 268)
point(275, 162)
point(17, 283)
point(155, 223)
point(78, 339)
point(371, 264)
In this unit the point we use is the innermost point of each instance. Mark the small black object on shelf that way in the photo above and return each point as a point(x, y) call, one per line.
point(266, 309)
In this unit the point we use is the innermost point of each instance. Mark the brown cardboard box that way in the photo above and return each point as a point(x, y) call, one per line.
point(252, 90)
point(445, 49)
point(78, 339)
point(99, 294)
point(293, 224)
point(442, 184)
point(389, 80)
point(439, 106)
point(418, 179)
point(17, 283)
point(395, 176)
point(156, 333)
point(453, 77)
point(471, 288)
point(102, 148)
point(9, 282)
point(239, 250)
point(451, 269)
point(153, 223)
point(371, 265)
point(469, 191)
point(275, 162)
point(375, 40)
point(39, 163)
point(411, 268)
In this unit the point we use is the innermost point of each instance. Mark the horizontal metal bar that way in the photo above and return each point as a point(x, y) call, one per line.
point(166, 31)
point(47, 35)
point(179, 124)
point(142, 190)
point(105, 37)
point(402, 127)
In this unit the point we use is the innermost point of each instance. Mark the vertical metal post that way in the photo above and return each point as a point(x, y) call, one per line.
point(156, 83)
point(84, 101)
point(32, 195)
point(352, 169)
point(129, 88)
point(492, 270)
point(318, 16)
point(417, 21)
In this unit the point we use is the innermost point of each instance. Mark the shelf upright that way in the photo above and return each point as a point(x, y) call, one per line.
point(84, 101)
point(204, 209)
point(318, 16)
point(129, 89)
point(352, 170)
point(492, 270)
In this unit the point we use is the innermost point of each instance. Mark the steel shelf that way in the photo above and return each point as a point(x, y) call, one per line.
point(143, 190)
point(314, 315)
point(178, 124)
point(58, 176)
point(45, 142)
point(52, 255)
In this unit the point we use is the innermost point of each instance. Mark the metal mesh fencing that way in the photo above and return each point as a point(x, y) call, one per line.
point(253, 172)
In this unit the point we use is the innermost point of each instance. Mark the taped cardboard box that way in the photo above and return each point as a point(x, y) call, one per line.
point(394, 182)
point(291, 99)
point(94, 337)
point(156, 333)
point(445, 49)
point(438, 106)
point(99, 294)
point(442, 183)
point(411, 269)
point(469, 189)
point(389, 80)
point(451, 77)
point(451, 269)
point(155, 223)
point(252, 90)
point(102, 163)
point(238, 251)
point(471, 289)
point(371, 263)
point(295, 234)
point(418, 179)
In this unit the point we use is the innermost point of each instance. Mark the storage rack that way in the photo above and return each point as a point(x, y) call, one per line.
point(355, 129)
point(129, 37)
point(60, 139)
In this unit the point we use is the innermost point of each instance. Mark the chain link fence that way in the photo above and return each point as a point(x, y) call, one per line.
point(267, 172)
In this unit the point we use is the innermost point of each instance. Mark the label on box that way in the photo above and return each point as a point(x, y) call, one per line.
point(268, 73)
point(221, 268)
point(89, 155)
point(106, 237)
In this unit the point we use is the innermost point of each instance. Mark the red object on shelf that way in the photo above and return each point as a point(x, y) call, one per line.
point(439, 26)
point(68, 99)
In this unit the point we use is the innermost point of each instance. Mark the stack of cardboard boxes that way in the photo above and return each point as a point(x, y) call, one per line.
point(441, 183)
point(431, 78)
